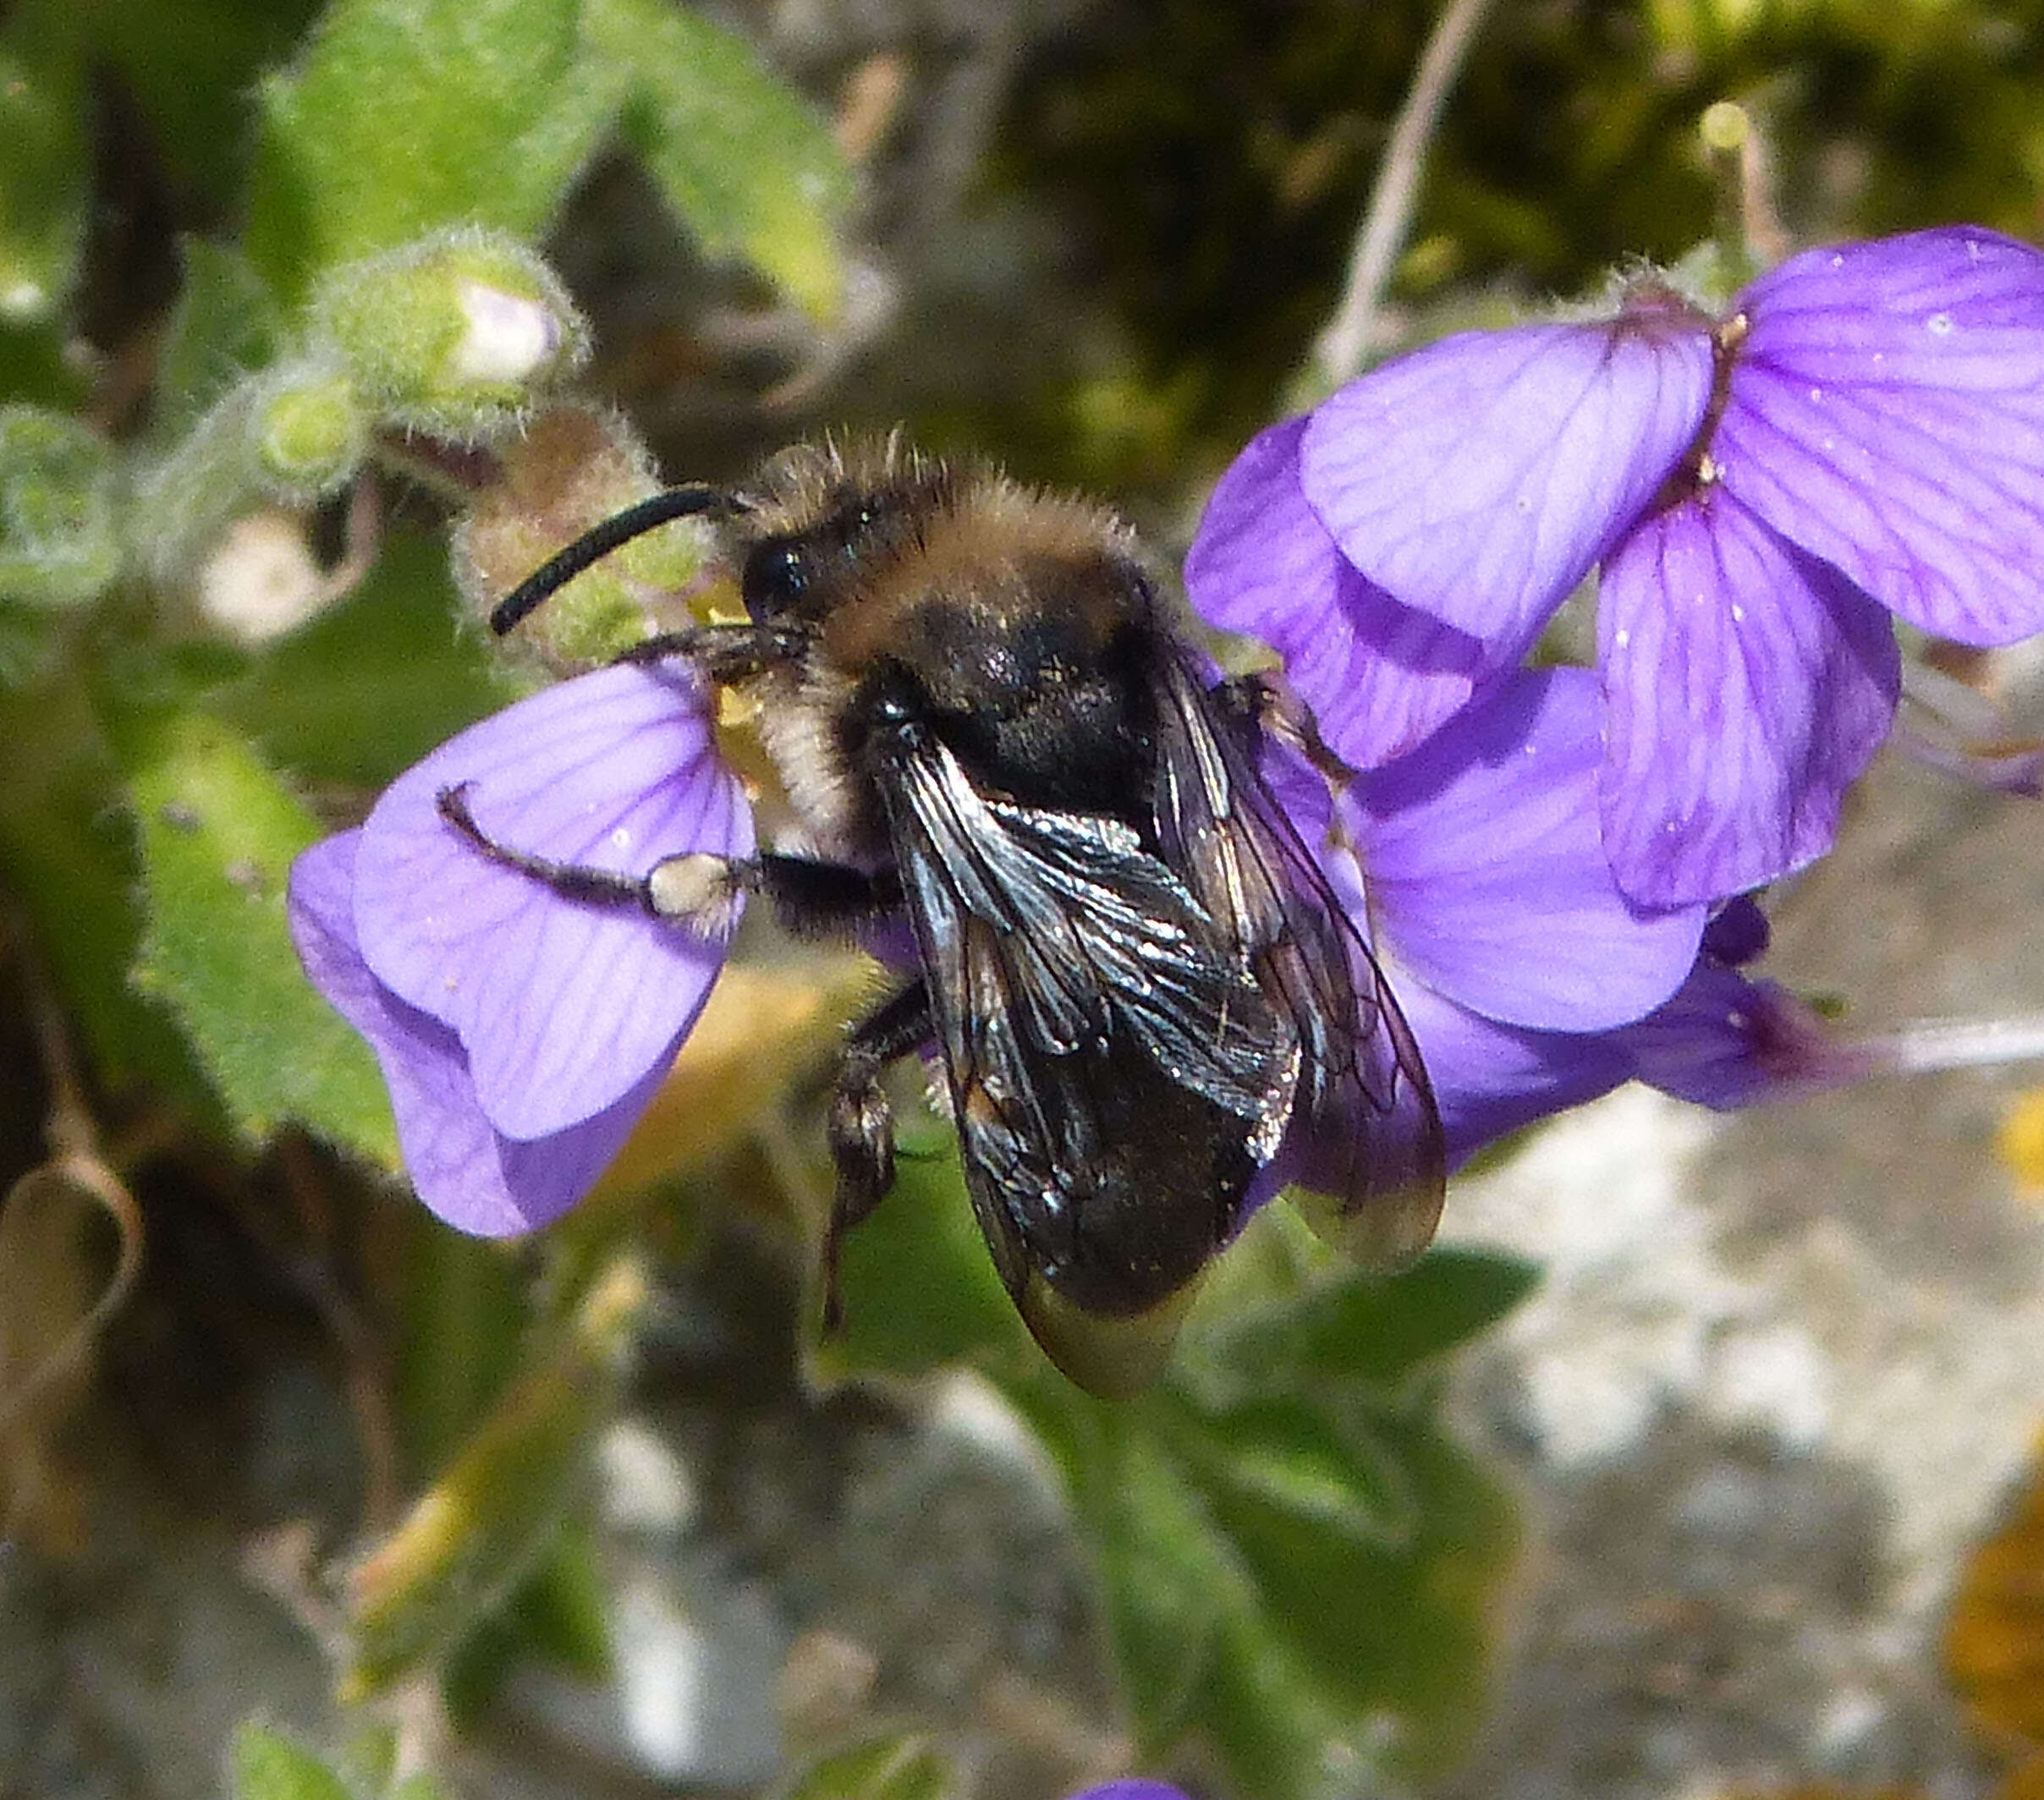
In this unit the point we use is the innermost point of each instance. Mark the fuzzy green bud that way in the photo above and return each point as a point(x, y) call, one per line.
point(571, 469)
point(307, 431)
point(59, 534)
point(454, 336)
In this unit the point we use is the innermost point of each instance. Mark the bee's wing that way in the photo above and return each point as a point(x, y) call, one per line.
point(1099, 1037)
point(1366, 1132)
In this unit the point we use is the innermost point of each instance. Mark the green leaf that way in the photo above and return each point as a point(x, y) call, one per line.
point(473, 1540)
point(746, 164)
point(269, 1766)
point(1298, 1570)
point(225, 326)
point(218, 835)
point(899, 1765)
point(370, 686)
point(405, 116)
point(68, 851)
point(45, 170)
point(1383, 1330)
point(1291, 1457)
point(1172, 1583)
point(919, 1286)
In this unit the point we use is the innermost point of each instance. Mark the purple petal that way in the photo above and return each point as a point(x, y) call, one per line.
point(1378, 676)
point(1724, 1042)
point(1490, 1079)
point(1133, 1790)
point(1746, 686)
point(1478, 478)
point(562, 1008)
point(476, 1180)
point(1488, 876)
point(1886, 413)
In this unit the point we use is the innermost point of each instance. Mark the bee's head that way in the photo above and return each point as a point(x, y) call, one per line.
point(815, 521)
point(818, 519)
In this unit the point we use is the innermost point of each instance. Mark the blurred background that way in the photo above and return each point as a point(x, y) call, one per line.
point(1694, 1464)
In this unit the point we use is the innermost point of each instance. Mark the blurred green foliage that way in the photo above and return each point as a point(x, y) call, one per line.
point(239, 240)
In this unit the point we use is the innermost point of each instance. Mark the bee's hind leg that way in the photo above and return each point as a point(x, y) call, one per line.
point(862, 1121)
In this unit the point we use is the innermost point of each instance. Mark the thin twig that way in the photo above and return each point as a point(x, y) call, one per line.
point(76, 1167)
point(1346, 342)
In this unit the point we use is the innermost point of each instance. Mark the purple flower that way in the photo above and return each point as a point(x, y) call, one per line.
point(521, 1035)
point(1530, 982)
point(1132, 1788)
point(1861, 433)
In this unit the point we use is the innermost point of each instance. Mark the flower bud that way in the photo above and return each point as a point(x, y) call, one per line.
point(262, 579)
point(59, 539)
point(307, 431)
point(454, 335)
point(571, 469)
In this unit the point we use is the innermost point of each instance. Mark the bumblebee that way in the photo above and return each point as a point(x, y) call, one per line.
point(1138, 982)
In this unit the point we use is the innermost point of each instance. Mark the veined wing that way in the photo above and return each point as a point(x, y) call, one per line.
point(1112, 1064)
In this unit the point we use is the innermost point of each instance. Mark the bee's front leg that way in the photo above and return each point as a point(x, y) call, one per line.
point(697, 887)
point(862, 1121)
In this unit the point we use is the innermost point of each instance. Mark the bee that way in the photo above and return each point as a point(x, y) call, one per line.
point(990, 724)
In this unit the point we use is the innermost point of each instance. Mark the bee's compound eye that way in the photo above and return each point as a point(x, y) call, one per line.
point(776, 576)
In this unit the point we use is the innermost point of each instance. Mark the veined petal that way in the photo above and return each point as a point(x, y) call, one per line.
point(561, 1007)
point(476, 1180)
point(1480, 478)
point(1488, 876)
point(1746, 686)
point(1378, 676)
point(1886, 412)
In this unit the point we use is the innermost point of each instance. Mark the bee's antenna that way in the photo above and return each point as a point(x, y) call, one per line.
point(597, 542)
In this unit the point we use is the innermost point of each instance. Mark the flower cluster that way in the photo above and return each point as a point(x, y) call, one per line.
point(1860, 433)
point(1548, 864)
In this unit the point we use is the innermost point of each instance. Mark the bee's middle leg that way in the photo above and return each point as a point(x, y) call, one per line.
point(862, 1121)
point(1264, 703)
